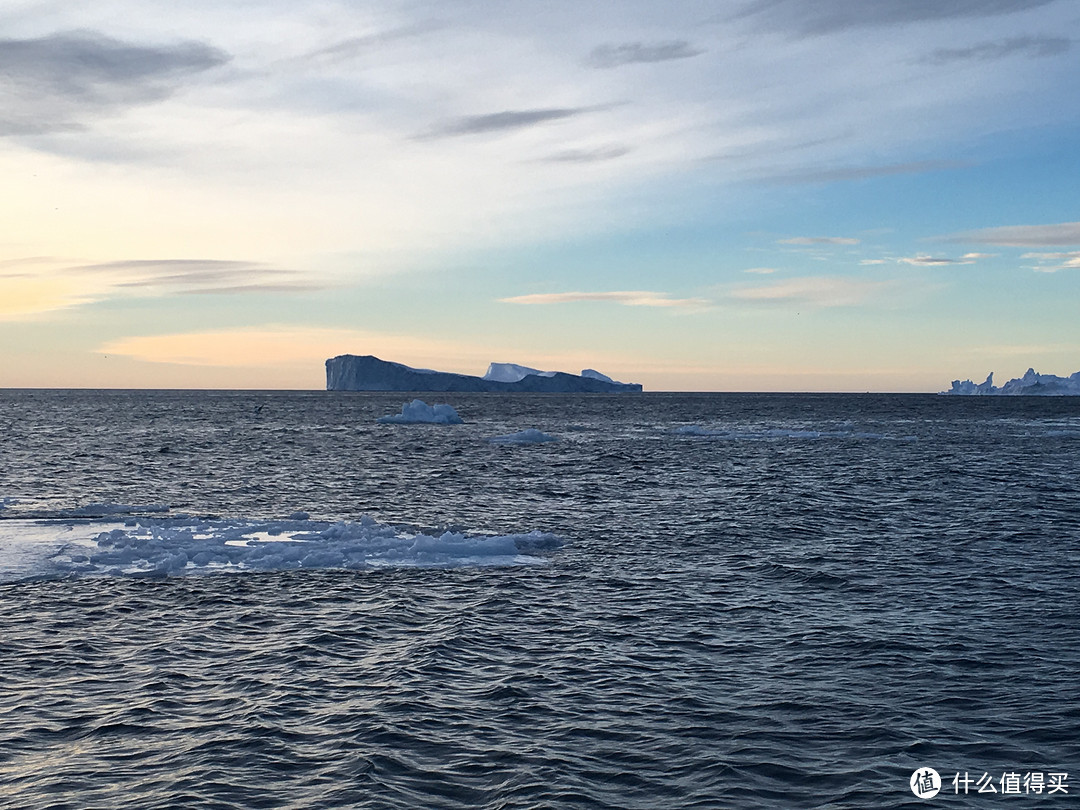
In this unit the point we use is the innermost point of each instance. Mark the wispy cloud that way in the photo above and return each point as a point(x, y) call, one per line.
point(1064, 233)
point(848, 173)
point(935, 261)
point(629, 53)
point(593, 155)
point(504, 121)
point(204, 276)
point(352, 47)
point(828, 16)
point(61, 82)
point(1052, 262)
point(761, 271)
point(630, 298)
point(873, 261)
point(818, 240)
point(1031, 47)
point(817, 291)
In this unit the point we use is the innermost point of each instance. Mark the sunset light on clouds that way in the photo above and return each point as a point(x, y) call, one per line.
point(708, 196)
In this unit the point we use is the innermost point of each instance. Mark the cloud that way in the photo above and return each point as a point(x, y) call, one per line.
point(1052, 262)
point(1031, 47)
point(829, 16)
point(847, 173)
point(630, 298)
point(353, 47)
point(817, 291)
point(818, 240)
point(505, 121)
point(935, 261)
point(270, 345)
point(595, 155)
point(1064, 233)
point(763, 271)
point(59, 82)
point(629, 53)
point(41, 285)
point(202, 276)
point(873, 261)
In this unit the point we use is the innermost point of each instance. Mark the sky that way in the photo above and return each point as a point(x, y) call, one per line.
point(748, 195)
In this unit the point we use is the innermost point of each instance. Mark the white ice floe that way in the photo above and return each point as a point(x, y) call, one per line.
point(527, 436)
point(419, 412)
point(184, 545)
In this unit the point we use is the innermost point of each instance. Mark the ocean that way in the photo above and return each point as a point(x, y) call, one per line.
point(270, 600)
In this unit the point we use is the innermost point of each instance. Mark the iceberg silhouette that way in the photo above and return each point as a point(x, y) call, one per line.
point(1031, 384)
point(349, 372)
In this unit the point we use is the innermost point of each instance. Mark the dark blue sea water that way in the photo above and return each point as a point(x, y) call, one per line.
point(701, 601)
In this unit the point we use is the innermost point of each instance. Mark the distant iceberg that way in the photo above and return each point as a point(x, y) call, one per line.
point(419, 412)
point(1031, 384)
point(349, 372)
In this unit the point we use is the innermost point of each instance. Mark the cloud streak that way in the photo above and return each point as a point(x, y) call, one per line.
point(1063, 233)
point(818, 240)
point(1031, 47)
point(501, 122)
point(816, 291)
point(630, 298)
point(1052, 262)
point(829, 16)
point(60, 82)
point(595, 155)
point(851, 173)
point(633, 53)
point(935, 261)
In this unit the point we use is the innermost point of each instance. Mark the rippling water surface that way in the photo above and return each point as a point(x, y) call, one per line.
point(219, 600)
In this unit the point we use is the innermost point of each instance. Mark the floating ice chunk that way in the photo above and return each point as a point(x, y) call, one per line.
point(182, 546)
point(527, 436)
point(419, 412)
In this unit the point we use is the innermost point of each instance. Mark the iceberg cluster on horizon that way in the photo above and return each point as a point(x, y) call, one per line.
point(349, 372)
point(1031, 384)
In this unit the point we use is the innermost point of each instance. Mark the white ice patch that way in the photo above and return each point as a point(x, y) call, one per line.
point(419, 412)
point(527, 436)
point(183, 545)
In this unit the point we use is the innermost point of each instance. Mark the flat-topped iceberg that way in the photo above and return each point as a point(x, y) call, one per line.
point(1031, 384)
point(349, 372)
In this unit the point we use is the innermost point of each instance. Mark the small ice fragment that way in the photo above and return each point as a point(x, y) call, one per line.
point(419, 412)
